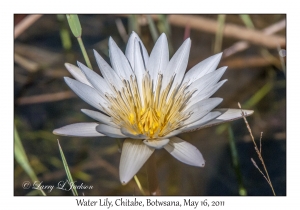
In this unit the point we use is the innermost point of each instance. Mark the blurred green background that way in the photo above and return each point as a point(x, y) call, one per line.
point(253, 47)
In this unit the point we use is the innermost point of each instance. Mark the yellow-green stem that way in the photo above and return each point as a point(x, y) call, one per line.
point(86, 58)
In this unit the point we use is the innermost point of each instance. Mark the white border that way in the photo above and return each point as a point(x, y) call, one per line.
point(153, 6)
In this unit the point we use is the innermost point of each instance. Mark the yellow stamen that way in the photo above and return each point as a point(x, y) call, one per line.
point(155, 112)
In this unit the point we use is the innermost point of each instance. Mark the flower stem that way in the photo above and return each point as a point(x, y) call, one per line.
point(86, 58)
point(152, 176)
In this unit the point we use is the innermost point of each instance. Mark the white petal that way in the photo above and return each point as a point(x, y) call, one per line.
point(96, 80)
point(139, 69)
point(197, 124)
point(156, 143)
point(207, 80)
point(201, 108)
point(204, 67)
point(110, 131)
point(79, 129)
point(134, 154)
point(205, 94)
point(132, 135)
point(99, 117)
point(108, 73)
point(77, 73)
point(185, 152)
point(87, 93)
point(159, 58)
point(177, 65)
point(119, 61)
point(227, 116)
point(129, 52)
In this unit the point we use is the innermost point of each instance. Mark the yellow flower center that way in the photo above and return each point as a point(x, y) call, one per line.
point(153, 114)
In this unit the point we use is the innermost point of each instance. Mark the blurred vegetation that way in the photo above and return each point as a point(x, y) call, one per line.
point(43, 102)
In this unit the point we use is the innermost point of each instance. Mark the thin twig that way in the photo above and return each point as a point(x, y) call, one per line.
point(187, 32)
point(260, 146)
point(256, 166)
point(44, 98)
point(230, 30)
point(25, 23)
point(242, 45)
point(257, 151)
point(27, 64)
point(248, 62)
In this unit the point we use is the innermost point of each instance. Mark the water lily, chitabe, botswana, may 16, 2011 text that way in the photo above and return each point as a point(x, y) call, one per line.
point(148, 100)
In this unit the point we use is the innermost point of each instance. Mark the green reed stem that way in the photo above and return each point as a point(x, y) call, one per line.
point(76, 29)
point(21, 158)
point(152, 28)
point(70, 179)
point(236, 162)
point(219, 34)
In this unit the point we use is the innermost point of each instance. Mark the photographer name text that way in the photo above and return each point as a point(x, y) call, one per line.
point(64, 185)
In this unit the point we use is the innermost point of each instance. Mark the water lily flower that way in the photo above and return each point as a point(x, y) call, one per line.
point(148, 100)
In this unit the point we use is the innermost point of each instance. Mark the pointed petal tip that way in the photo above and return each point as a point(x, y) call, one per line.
point(200, 164)
point(162, 36)
point(59, 132)
point(123, 182)
point(248, 112)
point(95, 52)
point(67, 79)
point(79, 63)
point(68, 65)
point(188, 39)
point(85, 129)
point(218, 100)
point(220, 54)
point(224, 80)
point(217, 56)
point(133, 32)
point(84, 110)
point(111, 40)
